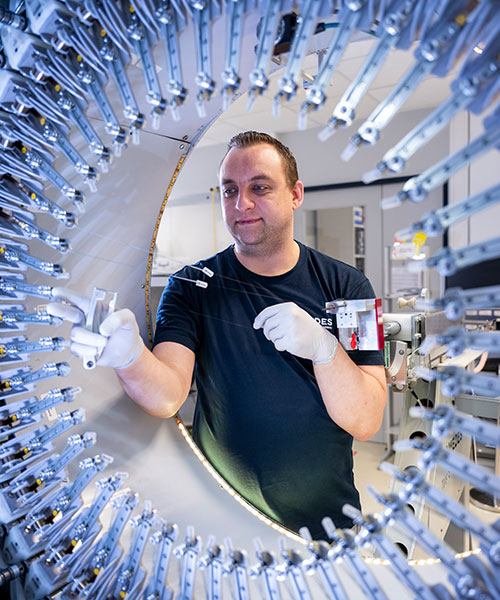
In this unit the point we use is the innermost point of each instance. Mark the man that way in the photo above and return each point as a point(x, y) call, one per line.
point(279, 400)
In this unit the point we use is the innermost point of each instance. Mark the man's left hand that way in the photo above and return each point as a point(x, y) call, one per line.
point(291, 328)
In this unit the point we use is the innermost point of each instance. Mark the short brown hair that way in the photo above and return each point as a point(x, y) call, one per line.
point(253, 138)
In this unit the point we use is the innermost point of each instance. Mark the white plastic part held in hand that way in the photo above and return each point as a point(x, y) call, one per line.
point(291, 328)
point(102, 304)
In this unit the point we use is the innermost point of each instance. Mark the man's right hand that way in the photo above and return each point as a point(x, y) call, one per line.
point(118, 342)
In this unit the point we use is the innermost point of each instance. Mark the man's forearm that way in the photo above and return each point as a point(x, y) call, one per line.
point(158, 388)
point(354, 399)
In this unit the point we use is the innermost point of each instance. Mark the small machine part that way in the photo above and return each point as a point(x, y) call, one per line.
point(210, 563)
point(359, 323)
point(265, 572)
point(290, 571)
point(186, 554)
point(102, 304)
point(235, 568)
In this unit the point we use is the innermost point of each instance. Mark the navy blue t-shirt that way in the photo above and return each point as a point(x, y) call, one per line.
point(260, 419)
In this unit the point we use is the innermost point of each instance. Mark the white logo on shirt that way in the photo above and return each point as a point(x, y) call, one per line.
point(326, 322)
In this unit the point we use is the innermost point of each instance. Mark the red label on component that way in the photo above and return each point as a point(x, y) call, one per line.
point(354, 343)
point(380, 323)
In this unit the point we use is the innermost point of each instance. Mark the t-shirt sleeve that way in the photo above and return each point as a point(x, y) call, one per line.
point(178, 316)
point(359, 291)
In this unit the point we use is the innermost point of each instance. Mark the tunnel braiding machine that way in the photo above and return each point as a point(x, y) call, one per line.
point(69, 112)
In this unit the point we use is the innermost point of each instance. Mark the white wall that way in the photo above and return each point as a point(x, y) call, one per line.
point(186, 232)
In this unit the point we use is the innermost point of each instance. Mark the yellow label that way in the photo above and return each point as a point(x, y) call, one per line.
point(54, 513)
point(43, 121)
point(461, 20)
point(2, 348)
point(103, 32)
point(14, 417)
point(96, 571)
point(2, 250)
point(79, 58)
point(25, 450)
point(123, 594)
point(132, 9)
point(73, 542)
point(6, 384)
point(39, 482)
point(419, 241)
point(24, 149)
point(33, 196)
point(57, 87)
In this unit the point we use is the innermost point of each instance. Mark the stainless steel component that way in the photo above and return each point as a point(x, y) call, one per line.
point(372, 533)
point(433, 453)
point(171, 20)
point(269, 22)
point(87, 577)
point(466, 575)
point(265, 572)
point(235, 14)
point(290, 571)
point(203, 13)
point(20, 451)
point(475, 87)
point(235, 568)
point(129, 576)
point(344, 548)
point(415, 484)
point(163, 539)
point(447, 261)
point(320, 564)
point(20, 193)
point(19, 350)
point(287, 83)
point(23, 380)
point(445, 419)
point(25, 490)
point(456, 340)
point(349, 17)
point(50, 515)
point(417, 188)
point(453, 32)
point(12, 256)
point(71, 545)
point(455, 301)
point(102, 304)
point(186, 554)
point(455, 380)
point(434, 223)
point(18, 222)
point(401, 17)
point(17, 416)
point(210, 563)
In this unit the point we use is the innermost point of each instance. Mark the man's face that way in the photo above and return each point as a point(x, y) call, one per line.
point(257, 202)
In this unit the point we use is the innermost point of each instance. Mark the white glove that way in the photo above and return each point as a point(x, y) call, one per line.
point(291, 328)
point(118, 338)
